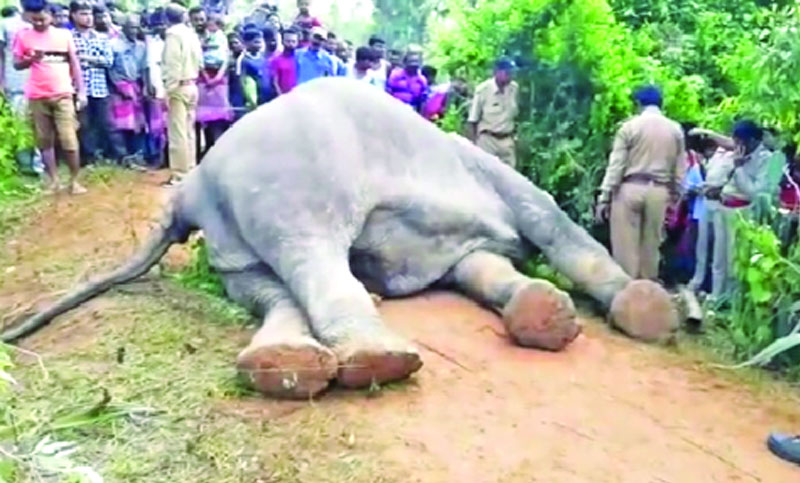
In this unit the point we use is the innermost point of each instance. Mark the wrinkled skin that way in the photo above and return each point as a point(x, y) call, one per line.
point(303, 227)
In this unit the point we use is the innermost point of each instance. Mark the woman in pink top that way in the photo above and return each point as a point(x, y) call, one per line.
point(55, 76)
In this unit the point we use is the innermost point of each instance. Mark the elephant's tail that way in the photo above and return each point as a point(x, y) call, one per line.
point(170, 230)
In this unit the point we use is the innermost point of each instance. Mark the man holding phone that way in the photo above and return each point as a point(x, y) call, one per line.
point(55, 77)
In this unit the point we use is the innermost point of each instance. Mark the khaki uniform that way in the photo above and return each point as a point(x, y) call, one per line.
point(744, 184)
point(180, 67)
point(494, 113)
point(647, 162)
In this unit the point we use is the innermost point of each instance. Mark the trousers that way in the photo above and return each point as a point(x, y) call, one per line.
point(637, 228)
point(95, 129)
point(503, 148)
point(723, 277)
point(182, 102)
point(705, 227)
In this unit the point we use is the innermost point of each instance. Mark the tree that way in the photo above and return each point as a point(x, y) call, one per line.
point(405, 22)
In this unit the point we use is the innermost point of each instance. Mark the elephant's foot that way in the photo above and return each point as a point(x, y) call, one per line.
point(541, 316)
point(644, 310)
point(382, 359)
point(289, 370)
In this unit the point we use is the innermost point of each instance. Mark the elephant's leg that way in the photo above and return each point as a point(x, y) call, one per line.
point(642, 309)
point(283, 359)
point(343, 316)
point(535, 312)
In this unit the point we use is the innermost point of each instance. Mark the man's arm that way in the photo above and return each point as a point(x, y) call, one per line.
point(721, 140)
point(752, 185)
point(617, 161)
point(23, 59)
point(273, 76)
point(106, 57)
point(75, 71)
point(475, 114)
point(170, 62)
point(679, 173)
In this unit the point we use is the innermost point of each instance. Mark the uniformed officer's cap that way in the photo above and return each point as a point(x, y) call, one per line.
point(505, 63)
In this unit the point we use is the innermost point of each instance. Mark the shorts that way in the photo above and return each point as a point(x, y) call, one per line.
point(53, 116)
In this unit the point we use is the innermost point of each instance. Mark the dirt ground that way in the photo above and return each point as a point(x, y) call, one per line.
point(480, 410)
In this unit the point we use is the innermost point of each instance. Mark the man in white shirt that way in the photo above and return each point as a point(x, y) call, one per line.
point(363, 68)
point(381, 65)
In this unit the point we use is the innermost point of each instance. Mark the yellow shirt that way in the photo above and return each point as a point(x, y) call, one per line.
point(493, 110)
point(651, 144)
point(183, 56)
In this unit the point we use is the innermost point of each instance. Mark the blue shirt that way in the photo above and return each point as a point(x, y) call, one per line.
point(694, 180)
point(311, 65)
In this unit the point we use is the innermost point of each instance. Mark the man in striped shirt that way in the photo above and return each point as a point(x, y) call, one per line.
point(95, 55)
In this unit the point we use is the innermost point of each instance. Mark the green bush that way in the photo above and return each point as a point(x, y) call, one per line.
point(199, 274)
point(15, 136)
point(580, 60)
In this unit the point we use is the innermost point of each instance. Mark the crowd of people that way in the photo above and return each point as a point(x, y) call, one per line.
point(160, 87)
point(149, 89)
point(686, 187)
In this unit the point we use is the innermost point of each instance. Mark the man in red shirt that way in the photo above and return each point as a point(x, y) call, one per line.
point(283, 67)
point(55, 77)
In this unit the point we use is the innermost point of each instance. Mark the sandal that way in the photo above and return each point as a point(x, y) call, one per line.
point(785, 447)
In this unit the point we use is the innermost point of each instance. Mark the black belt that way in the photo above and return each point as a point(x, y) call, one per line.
point(498, 135)
point(643, 178)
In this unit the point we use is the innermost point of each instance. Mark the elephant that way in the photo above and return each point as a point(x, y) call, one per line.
point(337, 191)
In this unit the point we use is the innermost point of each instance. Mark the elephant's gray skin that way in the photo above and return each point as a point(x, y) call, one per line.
point(337, 189)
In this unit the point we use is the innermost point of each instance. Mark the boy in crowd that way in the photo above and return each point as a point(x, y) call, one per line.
point(381, 66)
point(331, 46)
point(283, 67)
point(60, 16)
point(235, 93)
point(213, 107)
point(251, 68)
point(127, 103)
point(304, 19)
point(55, 77)
point(96, 57)
point(362, 69)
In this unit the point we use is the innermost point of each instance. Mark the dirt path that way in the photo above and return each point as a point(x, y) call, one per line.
point(480, 410)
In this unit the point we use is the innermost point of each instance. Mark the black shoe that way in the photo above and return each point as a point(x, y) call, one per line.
point(785, 447)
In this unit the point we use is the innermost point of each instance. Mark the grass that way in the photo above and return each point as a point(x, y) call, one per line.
point(145, 386)
point(171, 357)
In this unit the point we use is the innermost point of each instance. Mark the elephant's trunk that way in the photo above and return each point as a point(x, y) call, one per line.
point(169, 231)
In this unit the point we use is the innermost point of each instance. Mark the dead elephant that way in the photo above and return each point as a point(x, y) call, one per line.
point(336, 190)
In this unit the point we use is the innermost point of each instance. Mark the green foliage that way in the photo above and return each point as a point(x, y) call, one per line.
point(403, 23)
point(15, 136)
point(199, 274)
point(537, 267)
point(581, 60)
point(764, 306)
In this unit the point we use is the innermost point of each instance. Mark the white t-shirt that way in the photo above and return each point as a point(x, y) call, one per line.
point(370, 77)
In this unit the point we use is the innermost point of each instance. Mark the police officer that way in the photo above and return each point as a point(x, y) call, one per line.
point(645, 170)
point(492, 114)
